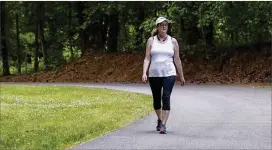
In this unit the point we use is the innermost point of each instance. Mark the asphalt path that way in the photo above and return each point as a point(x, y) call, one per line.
point(201, 117)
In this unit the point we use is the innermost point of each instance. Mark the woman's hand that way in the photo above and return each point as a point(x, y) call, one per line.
point(144, 78)
point(177, 61)
point(182, 81)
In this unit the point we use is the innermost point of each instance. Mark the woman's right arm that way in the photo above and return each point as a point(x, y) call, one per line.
point(147, 58)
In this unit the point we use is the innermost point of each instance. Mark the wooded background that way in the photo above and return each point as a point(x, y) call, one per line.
point(43, 35)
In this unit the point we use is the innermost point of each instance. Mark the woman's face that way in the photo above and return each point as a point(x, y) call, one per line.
point(163, 27)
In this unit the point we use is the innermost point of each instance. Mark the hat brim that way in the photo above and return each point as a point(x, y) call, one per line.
point(168, 21)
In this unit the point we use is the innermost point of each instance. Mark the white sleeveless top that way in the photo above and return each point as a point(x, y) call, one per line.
point(162, 64)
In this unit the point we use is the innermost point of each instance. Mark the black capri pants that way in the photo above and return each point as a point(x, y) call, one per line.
point(159, 84)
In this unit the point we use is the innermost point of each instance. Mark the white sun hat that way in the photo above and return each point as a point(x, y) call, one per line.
point(162, 19)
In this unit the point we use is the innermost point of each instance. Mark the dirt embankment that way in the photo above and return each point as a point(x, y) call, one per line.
point(127, 68)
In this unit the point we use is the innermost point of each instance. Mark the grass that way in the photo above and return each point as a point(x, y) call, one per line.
point(55, 117)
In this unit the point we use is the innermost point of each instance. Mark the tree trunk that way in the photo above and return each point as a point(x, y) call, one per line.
point(36, 55)
point(19, 54)
point(139, 35)
point(100, 39)
point(155, 8)
point(25, 60)
point(4, 39)
point(209, 37)
point(41, 34)
point(271, 46)
point(182, 27)
point(231, 30)
point(202, 29)
point(237, 38)
point(113, 32)
point(70, 30)
point(105, 30)
point(232, 37)
point(246, 35)
point(82, 34)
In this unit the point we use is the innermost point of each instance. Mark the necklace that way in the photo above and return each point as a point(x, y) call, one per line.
point(162, 39)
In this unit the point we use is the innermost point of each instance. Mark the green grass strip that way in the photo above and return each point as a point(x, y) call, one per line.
point(56, 117)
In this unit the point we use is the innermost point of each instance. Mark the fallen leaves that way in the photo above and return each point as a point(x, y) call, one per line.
point(127, 68)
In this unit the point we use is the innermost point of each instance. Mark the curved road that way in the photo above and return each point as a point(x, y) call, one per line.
point(202, 117)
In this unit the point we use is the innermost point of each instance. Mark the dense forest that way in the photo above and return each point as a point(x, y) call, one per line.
point(39, 36)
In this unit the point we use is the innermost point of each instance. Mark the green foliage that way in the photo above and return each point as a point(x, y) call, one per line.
point(67, 54)
point(148, 25)
point(192, 22)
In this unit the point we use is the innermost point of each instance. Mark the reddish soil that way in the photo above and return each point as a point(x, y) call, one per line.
point(127, 68)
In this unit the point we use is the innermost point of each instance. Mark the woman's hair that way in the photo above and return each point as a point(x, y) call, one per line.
point(156, 32)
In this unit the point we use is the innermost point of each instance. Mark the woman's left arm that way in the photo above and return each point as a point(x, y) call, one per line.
point(177, 60)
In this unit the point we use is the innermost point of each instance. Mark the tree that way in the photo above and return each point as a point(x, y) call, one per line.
point(83, 37)
point(140, 13)
point(19, 54)
point(37, 46)
point(70, 30)
point(63, 31)
point(4, 47)
point(40, 13)
point(113, 32)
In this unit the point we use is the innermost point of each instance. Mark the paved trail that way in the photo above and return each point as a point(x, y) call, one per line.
point(202, 117)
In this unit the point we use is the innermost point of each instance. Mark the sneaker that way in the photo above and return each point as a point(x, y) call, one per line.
point(163, 129)
point(159, 125)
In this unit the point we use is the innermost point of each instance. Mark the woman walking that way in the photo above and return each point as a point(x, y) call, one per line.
point(162, 59)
